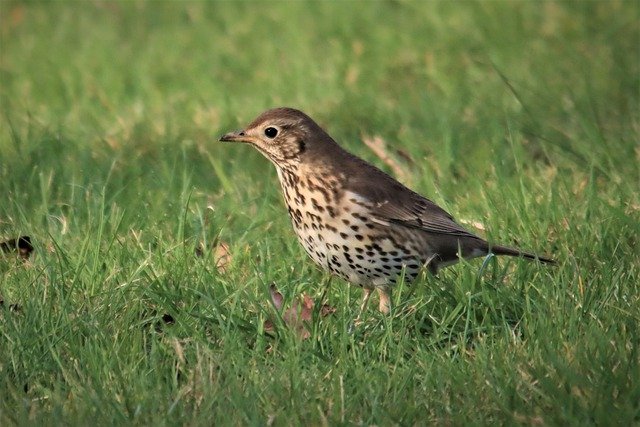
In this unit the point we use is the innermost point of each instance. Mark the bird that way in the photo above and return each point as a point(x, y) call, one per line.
point(353, 219)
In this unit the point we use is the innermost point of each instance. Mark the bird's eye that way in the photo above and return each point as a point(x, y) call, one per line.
point(271, 132)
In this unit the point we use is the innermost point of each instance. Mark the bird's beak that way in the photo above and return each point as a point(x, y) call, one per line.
point(238, 136)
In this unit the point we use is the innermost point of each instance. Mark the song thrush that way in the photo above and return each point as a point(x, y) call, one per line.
point(353, 219)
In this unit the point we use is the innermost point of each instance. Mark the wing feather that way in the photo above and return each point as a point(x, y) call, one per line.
point(398, 205)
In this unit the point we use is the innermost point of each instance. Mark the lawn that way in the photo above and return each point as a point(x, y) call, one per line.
point(146, 298)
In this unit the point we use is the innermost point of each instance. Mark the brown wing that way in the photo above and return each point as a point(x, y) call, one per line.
point(396, 204)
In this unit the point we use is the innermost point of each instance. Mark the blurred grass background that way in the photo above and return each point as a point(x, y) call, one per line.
point(523, 116)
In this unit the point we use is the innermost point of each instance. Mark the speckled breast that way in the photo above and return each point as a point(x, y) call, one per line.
point(338, 232)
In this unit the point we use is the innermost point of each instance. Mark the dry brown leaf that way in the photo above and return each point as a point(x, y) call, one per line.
point(16, 16)
point(379, 148)
point(299, 312)
point(472, 223)
point(353, 72)
point(222, 256)
point(276, 297)
point(113, 142)
point(358, 47)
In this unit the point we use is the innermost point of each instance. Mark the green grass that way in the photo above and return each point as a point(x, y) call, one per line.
point(521, 115)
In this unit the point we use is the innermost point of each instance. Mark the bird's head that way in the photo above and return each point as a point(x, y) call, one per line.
point(284, 135)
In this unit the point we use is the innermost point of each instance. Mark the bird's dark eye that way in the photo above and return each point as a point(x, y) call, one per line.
point(271, 132)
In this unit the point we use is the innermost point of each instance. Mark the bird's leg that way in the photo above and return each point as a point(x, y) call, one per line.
point(385, 299)
point(432, 265)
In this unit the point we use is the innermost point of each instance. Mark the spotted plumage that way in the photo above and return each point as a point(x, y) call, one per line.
point(352, 219)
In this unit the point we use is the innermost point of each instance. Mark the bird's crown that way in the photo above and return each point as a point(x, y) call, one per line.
point(286, 136)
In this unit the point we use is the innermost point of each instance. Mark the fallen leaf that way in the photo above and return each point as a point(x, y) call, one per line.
point(326, 310)
point(353, 73)
point(16, 16)
point(472, 223)
point(379, 148)
point(358, 47)
point(276, 297)
point(221, 255)
point(299, 312)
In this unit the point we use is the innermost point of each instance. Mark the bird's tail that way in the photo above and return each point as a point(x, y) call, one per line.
point(504, 250)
